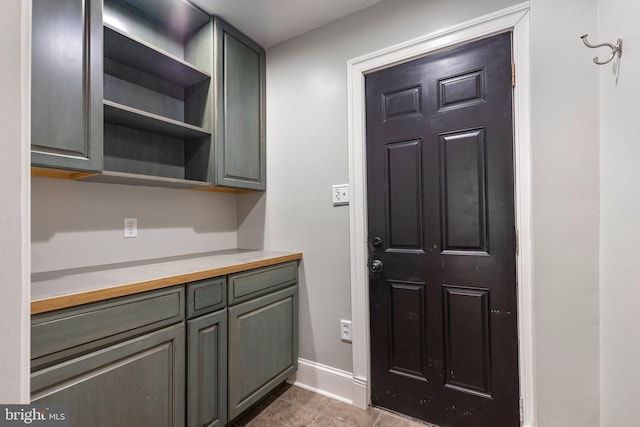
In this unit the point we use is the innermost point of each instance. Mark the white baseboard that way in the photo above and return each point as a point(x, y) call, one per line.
point(322, 379)
point(334, 383)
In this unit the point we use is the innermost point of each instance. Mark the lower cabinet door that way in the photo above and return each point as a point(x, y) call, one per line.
point(263, 347)
point(207, 370)
point(139, 382)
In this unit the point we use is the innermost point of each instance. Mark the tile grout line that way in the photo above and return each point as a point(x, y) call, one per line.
point(318, 414)
point(377, 418)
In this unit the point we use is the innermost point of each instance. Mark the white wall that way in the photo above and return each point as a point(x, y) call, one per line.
point(619, 227)
point(565, 212)
point(14, 204)
point(307, 149)
point(307, 153)
point(77, 224)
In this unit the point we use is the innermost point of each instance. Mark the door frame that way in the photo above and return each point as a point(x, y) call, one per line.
point(516, 20)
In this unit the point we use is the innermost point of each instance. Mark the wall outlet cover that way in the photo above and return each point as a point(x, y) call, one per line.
point(130, 227)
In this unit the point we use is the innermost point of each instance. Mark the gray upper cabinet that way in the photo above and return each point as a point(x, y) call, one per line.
point(158, 100)
point(240, 110)
point(66, 78)
point(147, 92)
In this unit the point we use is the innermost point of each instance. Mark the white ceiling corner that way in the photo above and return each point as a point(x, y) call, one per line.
point(270, 22)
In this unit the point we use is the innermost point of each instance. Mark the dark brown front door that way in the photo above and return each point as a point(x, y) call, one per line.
point(444, 344)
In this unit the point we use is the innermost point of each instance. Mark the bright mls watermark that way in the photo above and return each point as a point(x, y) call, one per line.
point(34, 415)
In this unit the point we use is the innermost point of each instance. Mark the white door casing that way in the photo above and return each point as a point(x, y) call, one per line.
point(516, 20)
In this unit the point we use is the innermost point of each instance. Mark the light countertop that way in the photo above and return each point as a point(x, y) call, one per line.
point(58, 289)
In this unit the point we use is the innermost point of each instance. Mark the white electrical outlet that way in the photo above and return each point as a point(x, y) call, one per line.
point(345, 330)
point(131, 227)
point(340, 194)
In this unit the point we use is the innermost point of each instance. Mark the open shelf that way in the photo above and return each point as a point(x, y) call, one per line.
point(137, 119)
point(157, 97)
point(130, 50)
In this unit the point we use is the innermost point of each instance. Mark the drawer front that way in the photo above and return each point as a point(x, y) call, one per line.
point(253, 283)
point(138, 382)
point(206, 296)
point(62, 334)
point(207, 370)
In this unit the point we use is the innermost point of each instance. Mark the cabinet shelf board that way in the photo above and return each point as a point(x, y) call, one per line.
point(178, 16)
point(123, 115)
point(112, 177)
point(132, 51)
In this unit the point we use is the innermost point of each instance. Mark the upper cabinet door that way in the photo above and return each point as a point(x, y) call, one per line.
point(66, 79)
point(240, 111)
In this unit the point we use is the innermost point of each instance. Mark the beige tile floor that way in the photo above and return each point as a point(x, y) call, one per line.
point(293, 406)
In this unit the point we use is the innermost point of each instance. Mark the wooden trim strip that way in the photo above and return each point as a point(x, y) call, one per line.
point(59, 173)
point(71, 300)
point(224, 190)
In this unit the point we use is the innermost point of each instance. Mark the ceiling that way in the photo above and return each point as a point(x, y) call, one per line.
point(270, 22)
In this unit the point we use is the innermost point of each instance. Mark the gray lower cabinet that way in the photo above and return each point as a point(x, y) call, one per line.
point(263, 347)
point(66, 84)
point(170, 357)
point(207, 353)
point(240, 158)
point(139, 382)
point(207, 370)
point(119, 362)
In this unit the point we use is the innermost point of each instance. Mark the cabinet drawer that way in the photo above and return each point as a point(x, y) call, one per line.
point(65, 333)
point(206, 296)
point(253, 283)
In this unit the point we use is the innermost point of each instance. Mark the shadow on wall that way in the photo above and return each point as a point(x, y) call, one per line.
point(61, 206)
point(251, 220)
point(306, 349)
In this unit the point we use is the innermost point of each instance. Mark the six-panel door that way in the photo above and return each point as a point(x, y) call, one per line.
point(441, 221)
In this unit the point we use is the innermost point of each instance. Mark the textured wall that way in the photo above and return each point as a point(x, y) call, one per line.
point(307, 153)
point(564, 144)
point(77, 224)
point(619, 227)
point(14, 203)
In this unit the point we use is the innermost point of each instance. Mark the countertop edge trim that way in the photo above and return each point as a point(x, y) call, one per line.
point(71, 300)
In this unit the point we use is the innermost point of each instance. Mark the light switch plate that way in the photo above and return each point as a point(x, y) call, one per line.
point(340, 194)
point(345, 330)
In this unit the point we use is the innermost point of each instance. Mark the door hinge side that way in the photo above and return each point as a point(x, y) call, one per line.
point(513, 75)
point(517, 243)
